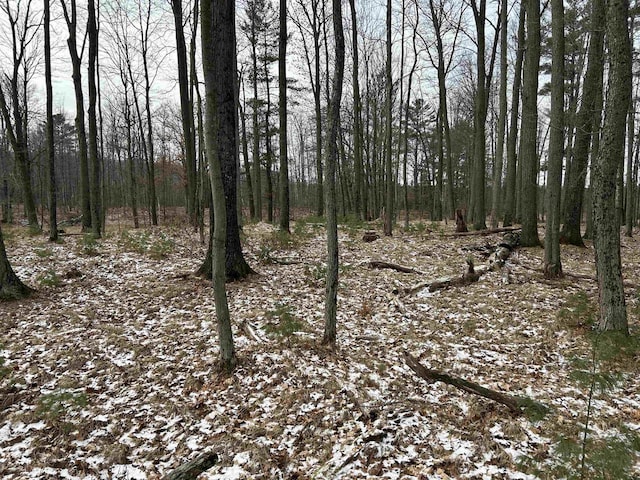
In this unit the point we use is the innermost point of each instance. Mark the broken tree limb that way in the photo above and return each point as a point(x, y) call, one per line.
point(393, 266)
point(517, 405)
point(509, 243)
point(484, 232)
point(191, 470)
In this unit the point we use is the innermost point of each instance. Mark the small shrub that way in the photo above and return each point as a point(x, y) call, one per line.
point(43, 252)
point(161, 246)
point(282, 322)
point(579, 311)
point(89, 245)
point(48, 279)
point(52, 406)
point(316, 273)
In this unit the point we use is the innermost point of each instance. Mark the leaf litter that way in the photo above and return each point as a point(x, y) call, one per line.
point(111, 372)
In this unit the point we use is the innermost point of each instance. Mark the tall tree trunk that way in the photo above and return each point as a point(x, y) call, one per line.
point(94, 161)
point(496, 200)
point(186, 110)
point(357, 122)
point(479, 120)
point(282, 112)
point(76, 61)
point(333, 117)
point(585, 122)
point(552, 261)
point(257, 174)
point(219, 63)
point(613, 312)
point(51, 156)
point(144, 44)
point(390, 190)
point(512, 137)
point(247, 166)
point(529, 130)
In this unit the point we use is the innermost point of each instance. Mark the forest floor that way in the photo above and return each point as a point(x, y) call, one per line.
point(109, 370)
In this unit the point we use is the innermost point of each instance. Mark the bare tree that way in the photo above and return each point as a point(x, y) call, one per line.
point(331, 291)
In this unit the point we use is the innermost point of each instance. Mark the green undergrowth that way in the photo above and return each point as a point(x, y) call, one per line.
point(157, 245)
point(578, 453)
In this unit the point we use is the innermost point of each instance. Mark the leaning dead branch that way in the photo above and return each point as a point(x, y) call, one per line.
point(517, 405)
point(393, 266)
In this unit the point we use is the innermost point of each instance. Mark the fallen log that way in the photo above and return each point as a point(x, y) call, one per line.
point(484, 232)
point(393, 266)
point(496, 261)
point(517, 405)
point(191, 470)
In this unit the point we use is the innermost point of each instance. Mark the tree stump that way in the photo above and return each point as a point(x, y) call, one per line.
point(461, 225)
point(370, 236)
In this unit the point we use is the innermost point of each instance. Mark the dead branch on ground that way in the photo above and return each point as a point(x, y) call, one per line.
point(517, 405)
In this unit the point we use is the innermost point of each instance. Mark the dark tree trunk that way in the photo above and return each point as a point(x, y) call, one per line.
point(94, 162)
point(53, 217)
point(219, 64)
point(529, 129)
point(282, 112)
point(552, 262)
point(11, 287)
point(331, 292)
point(512, 137)
point(587, 119)
point(186, 109)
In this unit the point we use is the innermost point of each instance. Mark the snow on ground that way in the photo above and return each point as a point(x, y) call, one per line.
point(110, 370)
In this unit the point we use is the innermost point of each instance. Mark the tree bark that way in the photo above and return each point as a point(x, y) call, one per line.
point(512, 136)
point(219, 65)
point(496, 194)
point(333, 121)
point(282, 112)
point(390, 182)
point(529, 129)
point(186, 110)
point(51, 156)
point(76, 61)
point(552, 261)
point(93, 159)
point(588, 117)
point(606, 240)
point(11, 287)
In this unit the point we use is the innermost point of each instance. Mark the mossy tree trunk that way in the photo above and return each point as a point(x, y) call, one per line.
point(606, 238)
